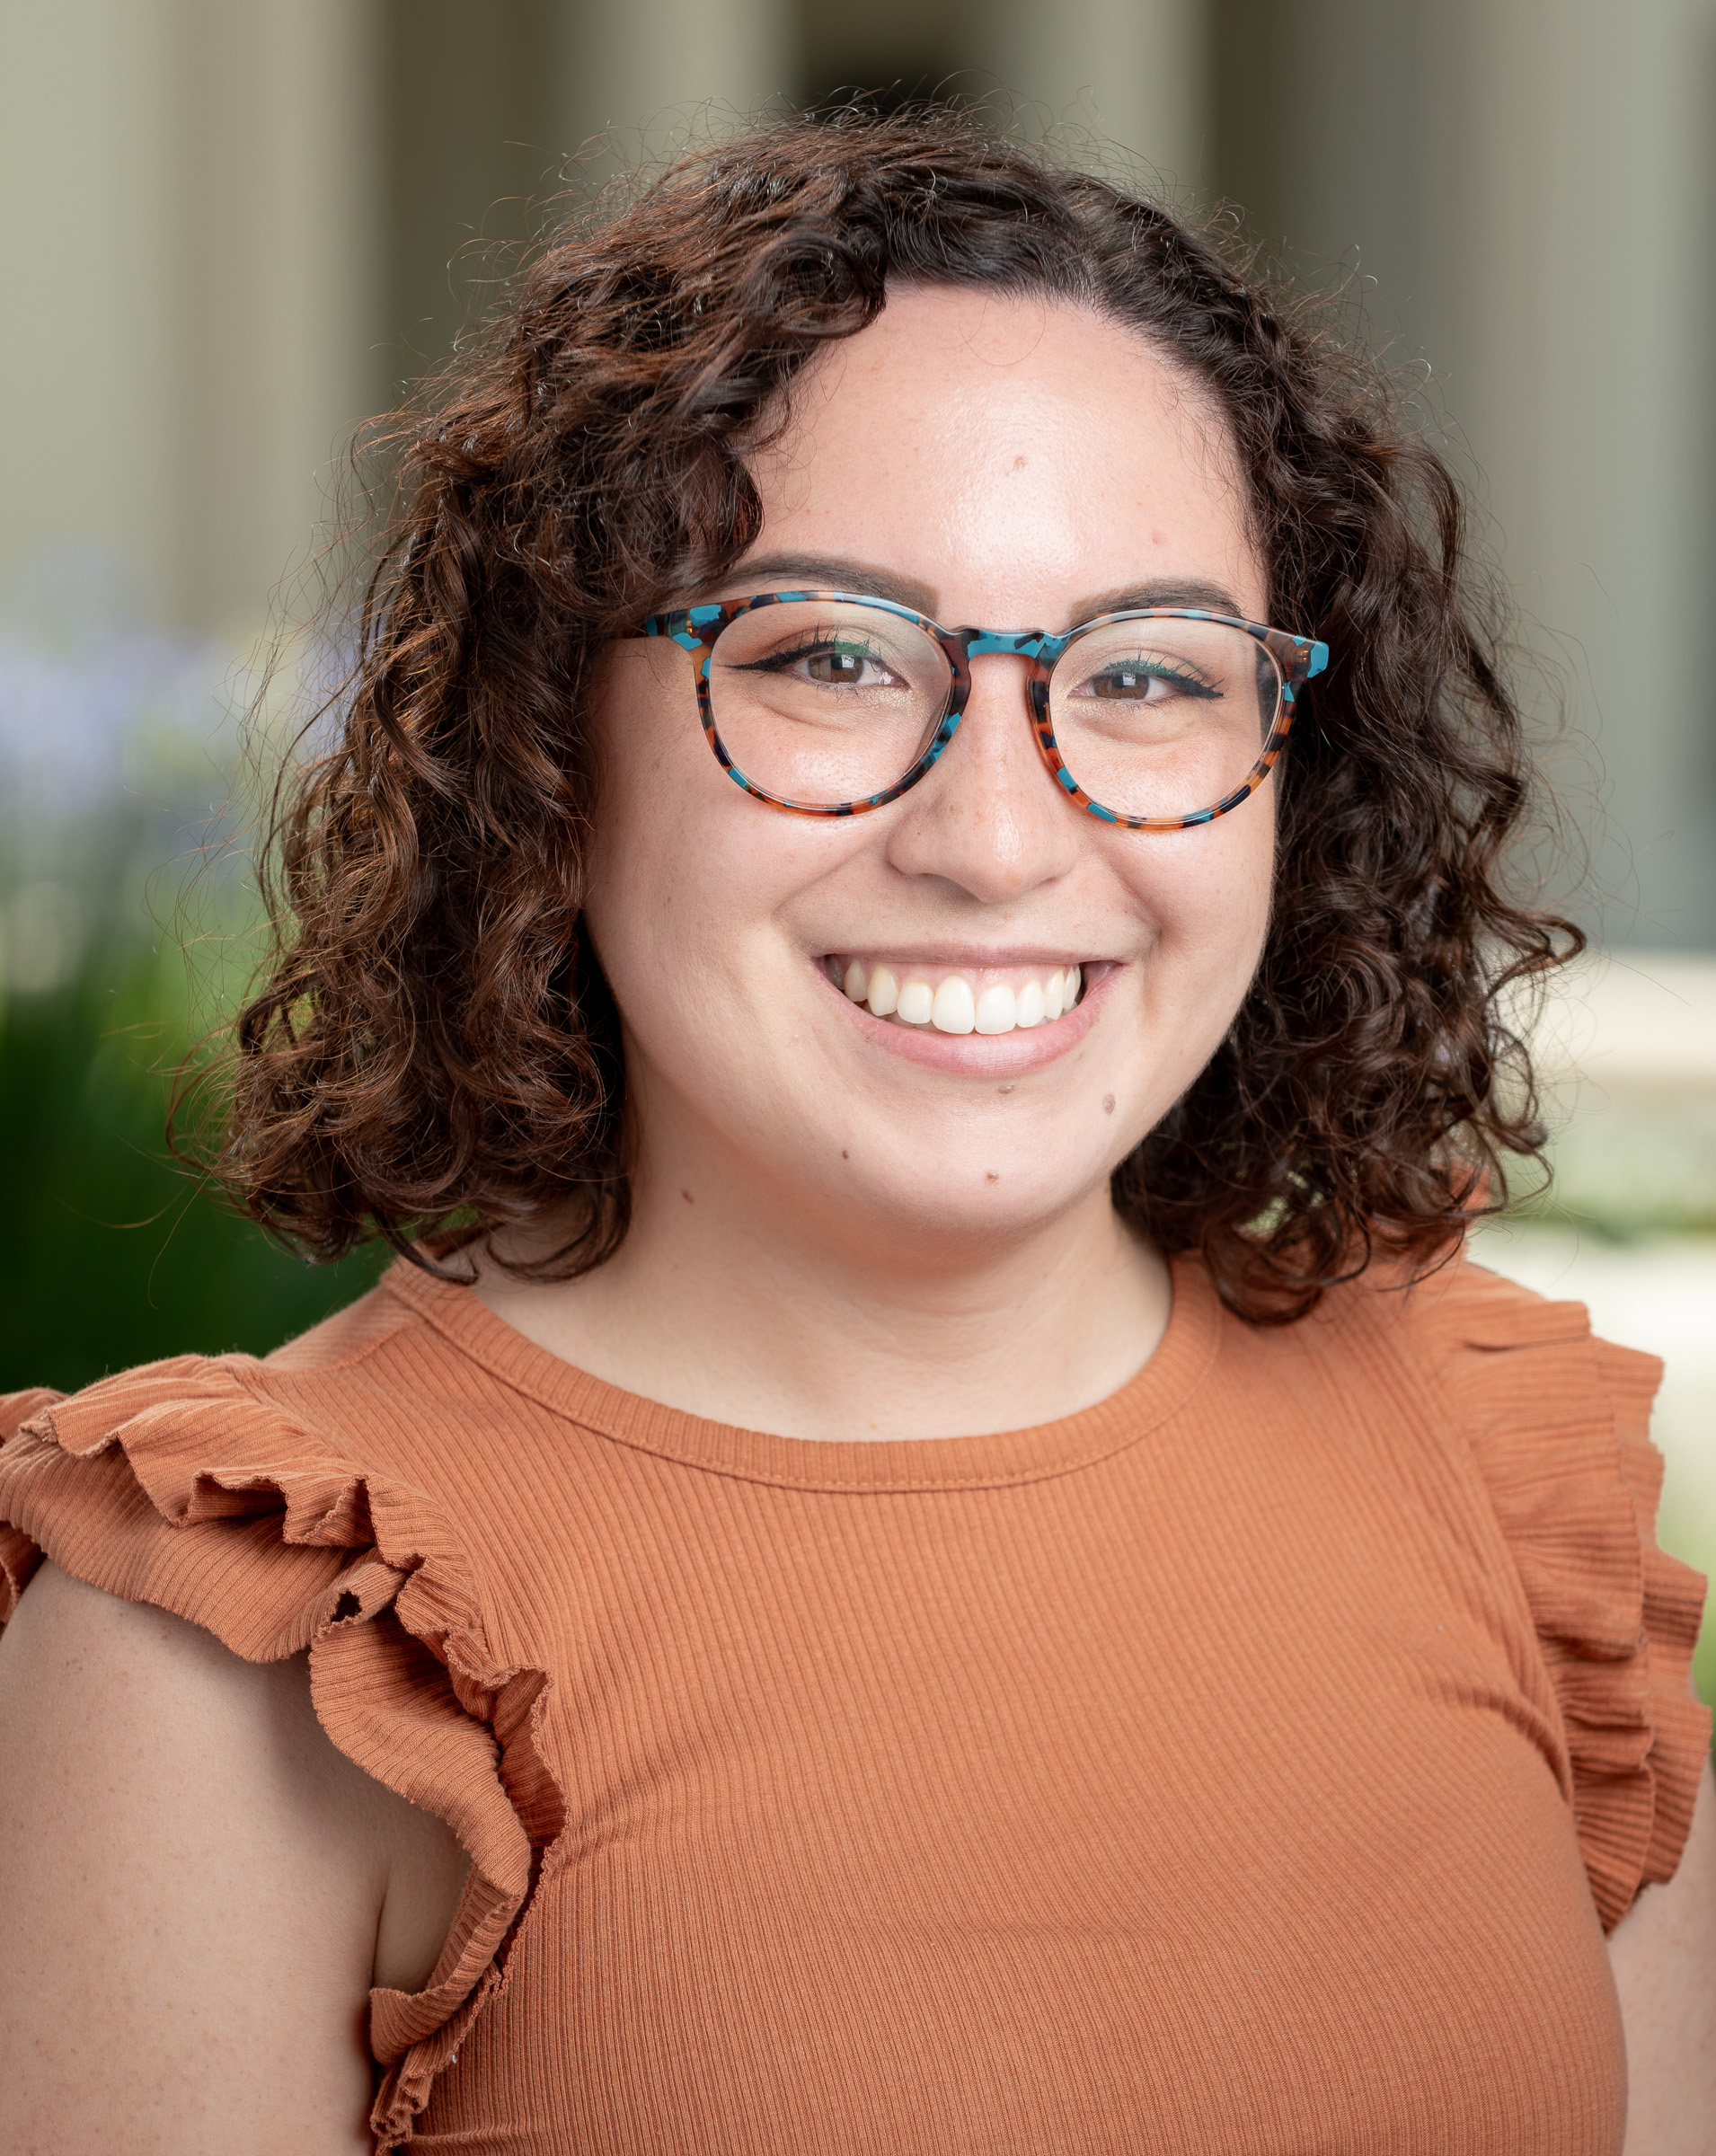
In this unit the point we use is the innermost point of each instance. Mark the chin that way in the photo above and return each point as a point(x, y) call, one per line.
point(926, 1198)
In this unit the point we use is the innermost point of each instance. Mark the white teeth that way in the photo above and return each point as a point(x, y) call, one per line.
point(997, 1009)
point(953, 1010)
point(955, 1005)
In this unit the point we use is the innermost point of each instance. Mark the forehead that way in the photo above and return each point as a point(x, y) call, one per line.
point(1009, 454)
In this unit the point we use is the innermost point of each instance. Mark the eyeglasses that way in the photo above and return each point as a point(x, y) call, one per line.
point(829, 704)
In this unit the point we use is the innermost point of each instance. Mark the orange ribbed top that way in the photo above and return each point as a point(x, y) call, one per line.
point(1241, 1766)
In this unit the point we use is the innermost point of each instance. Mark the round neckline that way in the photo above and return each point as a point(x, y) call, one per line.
point(1160, 1387)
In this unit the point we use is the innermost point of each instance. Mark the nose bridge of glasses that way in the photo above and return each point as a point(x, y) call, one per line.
point(1011, 643)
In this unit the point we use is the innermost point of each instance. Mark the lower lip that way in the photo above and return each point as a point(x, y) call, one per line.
point(984, 1055)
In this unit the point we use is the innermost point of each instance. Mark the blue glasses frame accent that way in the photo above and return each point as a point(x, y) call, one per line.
point(1297, 659)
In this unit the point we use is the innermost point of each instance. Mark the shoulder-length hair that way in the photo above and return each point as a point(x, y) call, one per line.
point(431, 1040)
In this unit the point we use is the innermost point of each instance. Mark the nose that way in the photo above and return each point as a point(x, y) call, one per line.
point(988, 818)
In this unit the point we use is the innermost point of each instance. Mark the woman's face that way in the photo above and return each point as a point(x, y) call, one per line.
point(1016, 465)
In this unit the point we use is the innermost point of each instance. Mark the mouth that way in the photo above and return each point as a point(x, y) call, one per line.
point(922, 997)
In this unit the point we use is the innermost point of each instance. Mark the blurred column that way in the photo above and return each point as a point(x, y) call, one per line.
point(1522, 196)
point(281, 182)
point(474, 136)
point(188, 207)
point(1133, 72)
point(86, 365)
point(647, 67)
point(1572, 264)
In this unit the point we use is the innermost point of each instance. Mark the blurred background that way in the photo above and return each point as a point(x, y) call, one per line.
point(234, 227)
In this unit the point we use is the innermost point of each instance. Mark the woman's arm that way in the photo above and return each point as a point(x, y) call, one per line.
point(1663, 1953)
point(197, 1891)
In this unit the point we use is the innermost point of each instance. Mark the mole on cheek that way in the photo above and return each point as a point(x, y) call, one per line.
point(1107, 1104)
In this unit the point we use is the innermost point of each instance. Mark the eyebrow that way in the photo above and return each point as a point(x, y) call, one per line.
point(831, 573)
point(864, 579)
point(1164, 591)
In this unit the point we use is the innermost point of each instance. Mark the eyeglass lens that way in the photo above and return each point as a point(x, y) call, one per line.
point(822, 703)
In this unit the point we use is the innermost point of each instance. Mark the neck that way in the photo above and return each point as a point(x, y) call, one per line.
point(729, 1303)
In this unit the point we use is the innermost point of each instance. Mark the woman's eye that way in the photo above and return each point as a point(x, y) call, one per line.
point(834, 667)
point(1125, 684)
point(1145, 683)
point(845, 669)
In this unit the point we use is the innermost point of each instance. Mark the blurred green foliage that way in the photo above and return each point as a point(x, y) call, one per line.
point(127, 919)
point(121, 1256)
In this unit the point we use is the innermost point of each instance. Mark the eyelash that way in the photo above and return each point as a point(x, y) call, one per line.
point(1179, 679)
point(818, 648)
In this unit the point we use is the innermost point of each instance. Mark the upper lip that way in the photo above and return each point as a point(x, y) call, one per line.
point(969, 955)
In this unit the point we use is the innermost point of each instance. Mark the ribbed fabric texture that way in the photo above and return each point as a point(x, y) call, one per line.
point(1245, 1767)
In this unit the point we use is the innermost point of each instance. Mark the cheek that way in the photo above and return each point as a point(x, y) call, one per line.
point(634, 887)
point(1244, 874)
point(688, 875)
point(1208, 890)
point(658, 794)
point(1204, 895)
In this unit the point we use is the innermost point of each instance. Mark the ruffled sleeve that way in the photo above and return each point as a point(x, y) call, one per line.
point(181, 1485)
point(1558, 1423)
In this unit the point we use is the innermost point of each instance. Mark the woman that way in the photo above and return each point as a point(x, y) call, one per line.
point(932, 1547)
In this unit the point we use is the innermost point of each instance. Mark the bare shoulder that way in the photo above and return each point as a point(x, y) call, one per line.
point(199, 1890)
point(1663, 1953)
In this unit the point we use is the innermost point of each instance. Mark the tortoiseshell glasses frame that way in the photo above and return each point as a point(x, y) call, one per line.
point(695, 629)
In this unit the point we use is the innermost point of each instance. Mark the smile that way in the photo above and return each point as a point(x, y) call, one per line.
point(957, 999)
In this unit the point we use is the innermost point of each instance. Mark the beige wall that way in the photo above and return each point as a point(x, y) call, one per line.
point(86, 362)
point(189, 187)
point(1574, 273)
point(643, 67)
point(1523, 194)
point(1134, 71)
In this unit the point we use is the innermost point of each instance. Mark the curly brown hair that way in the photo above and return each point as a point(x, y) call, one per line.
point(432, 1039)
